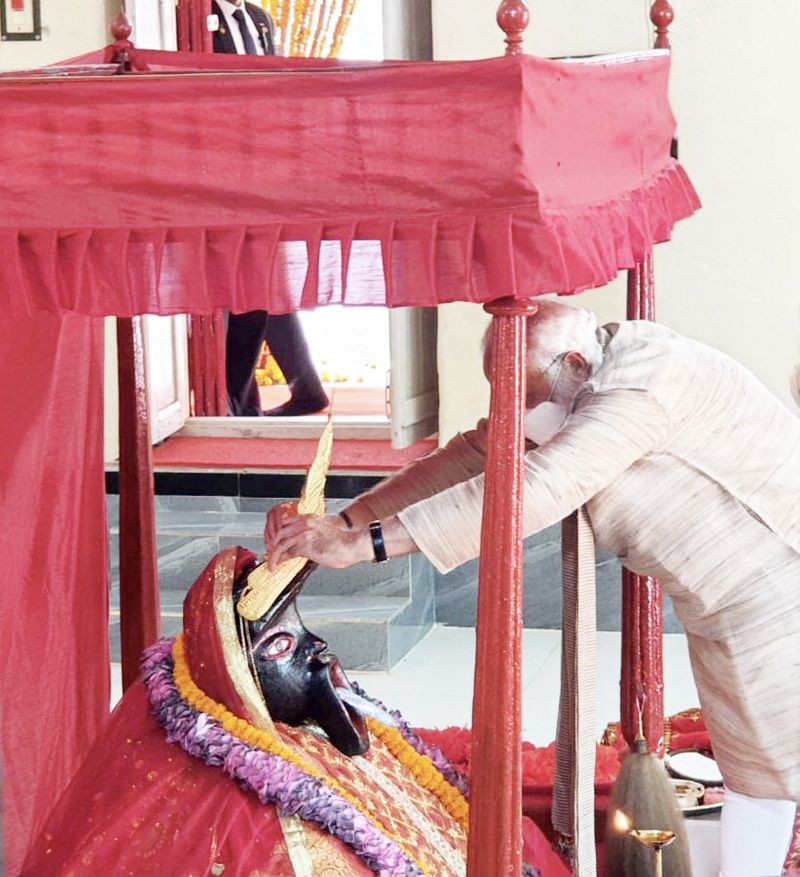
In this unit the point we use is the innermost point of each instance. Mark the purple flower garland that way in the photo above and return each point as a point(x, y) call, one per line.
point(274, 780)
point(277, 781)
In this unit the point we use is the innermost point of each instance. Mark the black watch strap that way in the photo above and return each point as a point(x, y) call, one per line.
point(378, 545)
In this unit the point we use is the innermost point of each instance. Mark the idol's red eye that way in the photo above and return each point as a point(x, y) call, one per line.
point(279, 646)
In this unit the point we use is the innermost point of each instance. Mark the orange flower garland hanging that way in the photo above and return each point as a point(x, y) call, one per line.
point(423, 770)
point(310, 28)
point(348, 7)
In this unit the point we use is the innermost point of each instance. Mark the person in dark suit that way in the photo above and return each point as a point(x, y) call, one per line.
point(228, 37)
point(245, 29)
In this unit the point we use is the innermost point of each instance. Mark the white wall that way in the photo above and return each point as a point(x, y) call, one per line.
point(69, 28)
point(731, 275)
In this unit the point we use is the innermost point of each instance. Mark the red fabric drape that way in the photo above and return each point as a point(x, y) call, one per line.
point(147, 830)
point(54, 659)
point(122, 815)
point(396, 184)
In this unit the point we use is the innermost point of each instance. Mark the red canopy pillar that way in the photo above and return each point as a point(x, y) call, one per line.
point(642, 680)
point(139, 598)
point(495, 816)
point(209, 393)
point(495, 821)
point(206, 341)
point(193, 32)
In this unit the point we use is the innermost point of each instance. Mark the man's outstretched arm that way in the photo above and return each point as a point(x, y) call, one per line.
point(461, 459)
point(606, 435)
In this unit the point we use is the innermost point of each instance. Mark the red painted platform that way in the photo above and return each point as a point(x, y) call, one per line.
point(352, 455)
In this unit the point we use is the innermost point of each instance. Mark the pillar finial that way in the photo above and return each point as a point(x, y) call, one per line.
point(513, 17)
point(661, 14)
point(121, 30)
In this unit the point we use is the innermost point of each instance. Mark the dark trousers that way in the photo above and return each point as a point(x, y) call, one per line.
point(286, 341)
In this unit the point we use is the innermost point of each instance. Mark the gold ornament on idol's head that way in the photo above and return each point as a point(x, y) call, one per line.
point(264, 585)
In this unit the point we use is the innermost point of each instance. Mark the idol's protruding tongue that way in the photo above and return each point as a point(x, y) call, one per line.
point(344, 725)
point(365, 707)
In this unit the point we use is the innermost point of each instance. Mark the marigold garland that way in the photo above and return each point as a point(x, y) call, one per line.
point(276, 774)
point(310, 28)
point(423, 770)
point(420, 766)
point(348, 7)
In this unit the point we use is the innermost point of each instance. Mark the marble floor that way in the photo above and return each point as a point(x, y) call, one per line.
point(432, 687)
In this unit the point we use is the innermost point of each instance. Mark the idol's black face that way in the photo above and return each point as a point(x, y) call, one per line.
point(300, 679)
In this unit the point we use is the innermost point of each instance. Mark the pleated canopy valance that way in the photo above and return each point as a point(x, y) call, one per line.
point(202, 182)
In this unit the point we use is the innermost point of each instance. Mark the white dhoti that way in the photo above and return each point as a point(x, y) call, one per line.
point(755, 836)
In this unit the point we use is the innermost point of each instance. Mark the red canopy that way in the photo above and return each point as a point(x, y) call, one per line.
point(294, 184)
point(320, 182)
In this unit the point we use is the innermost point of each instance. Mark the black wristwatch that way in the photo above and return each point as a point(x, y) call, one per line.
point(378, 545)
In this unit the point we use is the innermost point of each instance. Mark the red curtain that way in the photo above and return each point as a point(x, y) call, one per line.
point(54, 661)
point(312, 182)
point(193, 34)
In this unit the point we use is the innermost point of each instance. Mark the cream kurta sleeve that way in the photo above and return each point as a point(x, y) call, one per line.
point(607, 433)
point(462, 458)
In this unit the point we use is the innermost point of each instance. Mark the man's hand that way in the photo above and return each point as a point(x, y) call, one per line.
point(325, 540)
point(277, 516)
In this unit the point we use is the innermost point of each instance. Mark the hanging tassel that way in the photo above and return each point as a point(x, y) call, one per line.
point(644, 796)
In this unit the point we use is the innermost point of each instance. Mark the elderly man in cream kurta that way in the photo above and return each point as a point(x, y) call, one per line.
point(690, 471)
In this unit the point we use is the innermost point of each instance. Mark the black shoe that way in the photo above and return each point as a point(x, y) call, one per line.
point(298, 407)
